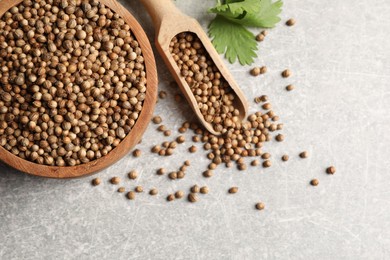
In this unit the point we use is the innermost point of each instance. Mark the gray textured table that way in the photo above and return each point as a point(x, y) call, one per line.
point(340, 112)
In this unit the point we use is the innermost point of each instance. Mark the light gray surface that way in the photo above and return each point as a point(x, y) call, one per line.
point(340, 112)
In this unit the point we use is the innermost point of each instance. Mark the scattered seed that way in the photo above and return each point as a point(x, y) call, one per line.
point(192, 149)
point(192, 197)
point(130, 195)
point(265, 32)
point(267, 164)
point(139, 189)
point(153, 192)
point(161, 171)
point(260, 37)
point(137, 153)
point(182, 130)
point(208, 173)
point(133, 175)
point(187, 163)
point(267, 106)
point(96, 181)
point(170, 197)
point(180, 139)
point(180, 174)
point(286, 73)
point(121, 189)
point(255, 71)
point(233, 190)
point(195, 189)
point(264, 98)
point(196, 139)
point(263, 70)
point(257, 100)
point(172, 175)
point(255, 162)
point(279, 138)
point(204, 190)
point(156, 149)
point(241, 167)
point(304, 154)
point(266, 156)
point(212, 166)
point(167, 132)
point(314, 182)
point(115, 180)
point(260, 206)
point(290, 87)
point(290, 22)
point(285, 158)
point(179, 194)
point(162, 128)
point(331, 170)
point(157, 120)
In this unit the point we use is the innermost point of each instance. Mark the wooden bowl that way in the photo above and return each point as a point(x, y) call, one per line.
point(131, 139)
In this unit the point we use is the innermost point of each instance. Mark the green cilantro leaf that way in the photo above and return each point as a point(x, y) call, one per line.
point(267, 17)
point(234, 8)
point(228, 28)
point(234, 40)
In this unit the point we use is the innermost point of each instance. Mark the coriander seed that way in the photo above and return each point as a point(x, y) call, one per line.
point(285, 158)
point(96, 182)
point(314, 182)
point(208, 173)
point(192, 197)
point(195, 189)
point(279, 138)
point(137, 153)
point(130, 195)
point(157, 120)
point(233, 190)
point(204, 190)
point(161, 171)
point(304, 154)
point(192, 149)
point(290, 22)
point(138, 189)
point(290, 87)
point(286, 73)
point(255, 71)
point(331, 170)
point(170, 197)
point(153, 192)
point(179, 194)
point(267, 164)
point(260, 206)
point(121, 189)
point(133, 175)
point(115, 180)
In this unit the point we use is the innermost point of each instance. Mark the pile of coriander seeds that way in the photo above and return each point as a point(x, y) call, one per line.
point(72, 81)
point(212, 92)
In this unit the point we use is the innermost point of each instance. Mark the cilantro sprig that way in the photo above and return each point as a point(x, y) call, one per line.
point(228, 29)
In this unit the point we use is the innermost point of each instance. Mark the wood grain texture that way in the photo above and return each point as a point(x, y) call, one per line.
point(131, 139)
point(169, 22)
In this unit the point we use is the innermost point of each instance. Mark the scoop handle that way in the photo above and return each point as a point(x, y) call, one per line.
point(160, 10)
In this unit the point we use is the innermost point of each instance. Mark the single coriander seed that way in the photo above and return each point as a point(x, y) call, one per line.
point(96, 181)
point(233, 190)
point(260, 206)
point(314, 182)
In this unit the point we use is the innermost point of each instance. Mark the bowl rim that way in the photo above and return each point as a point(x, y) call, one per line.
point(130, 140)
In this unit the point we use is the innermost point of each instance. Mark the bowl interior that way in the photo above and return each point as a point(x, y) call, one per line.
point(130, 140)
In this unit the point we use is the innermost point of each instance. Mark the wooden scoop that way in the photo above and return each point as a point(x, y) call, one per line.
point(169, 22)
